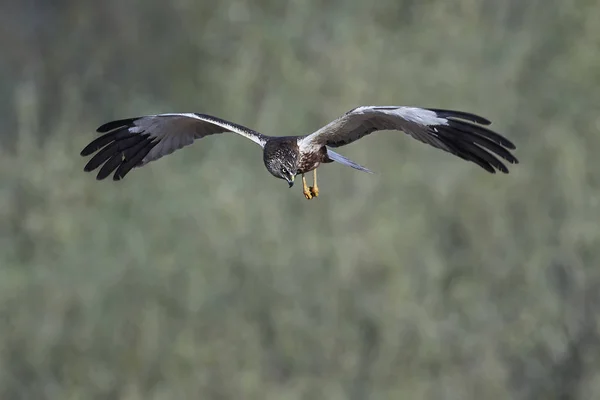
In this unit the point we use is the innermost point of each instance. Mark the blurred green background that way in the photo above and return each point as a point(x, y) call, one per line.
point(201, 276)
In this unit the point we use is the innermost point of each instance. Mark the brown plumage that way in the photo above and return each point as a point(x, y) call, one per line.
point(311, 160)
point(134, 142)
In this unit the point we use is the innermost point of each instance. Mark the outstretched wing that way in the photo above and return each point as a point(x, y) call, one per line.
point(134, 142)
point(456, 132)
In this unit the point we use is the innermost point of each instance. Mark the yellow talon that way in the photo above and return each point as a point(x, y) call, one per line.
point(314, 190)
point(305, 189)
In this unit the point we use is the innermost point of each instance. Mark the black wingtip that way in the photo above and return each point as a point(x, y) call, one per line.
point(509, 145)
point(109, 126)
point(118, 151)
point(461, 115)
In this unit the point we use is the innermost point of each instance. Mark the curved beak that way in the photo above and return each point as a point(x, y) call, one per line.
point(290, 181)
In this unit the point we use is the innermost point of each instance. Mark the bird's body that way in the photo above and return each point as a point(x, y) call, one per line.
point(311, 160)
point(289, 146)
point(134, 142)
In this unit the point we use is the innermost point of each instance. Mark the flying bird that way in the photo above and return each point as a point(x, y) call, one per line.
point(134, 142)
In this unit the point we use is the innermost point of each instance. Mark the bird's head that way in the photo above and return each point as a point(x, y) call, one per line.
point(281, 160)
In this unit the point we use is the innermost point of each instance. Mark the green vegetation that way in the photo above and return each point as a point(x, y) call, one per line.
point(201, 276)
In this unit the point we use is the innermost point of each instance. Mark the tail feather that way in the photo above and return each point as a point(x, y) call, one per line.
point(343, 160)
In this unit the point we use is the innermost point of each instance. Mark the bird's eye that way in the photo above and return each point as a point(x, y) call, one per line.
point(284, 170)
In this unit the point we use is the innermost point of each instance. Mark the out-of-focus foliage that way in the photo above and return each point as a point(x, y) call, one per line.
point(201, 276)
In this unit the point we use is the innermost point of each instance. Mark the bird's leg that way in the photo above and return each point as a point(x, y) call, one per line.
point(314, 190)
point(305, 189)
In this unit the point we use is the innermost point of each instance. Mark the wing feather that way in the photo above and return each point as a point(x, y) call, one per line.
point(456, 132)
point(134, 159)
point(133, 142)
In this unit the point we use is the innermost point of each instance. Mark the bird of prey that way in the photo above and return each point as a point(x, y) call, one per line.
point(134, 142)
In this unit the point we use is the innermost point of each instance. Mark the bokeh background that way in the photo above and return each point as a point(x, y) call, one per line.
point(200, 276)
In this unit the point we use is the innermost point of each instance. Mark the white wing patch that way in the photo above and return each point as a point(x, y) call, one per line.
point(417, 115)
